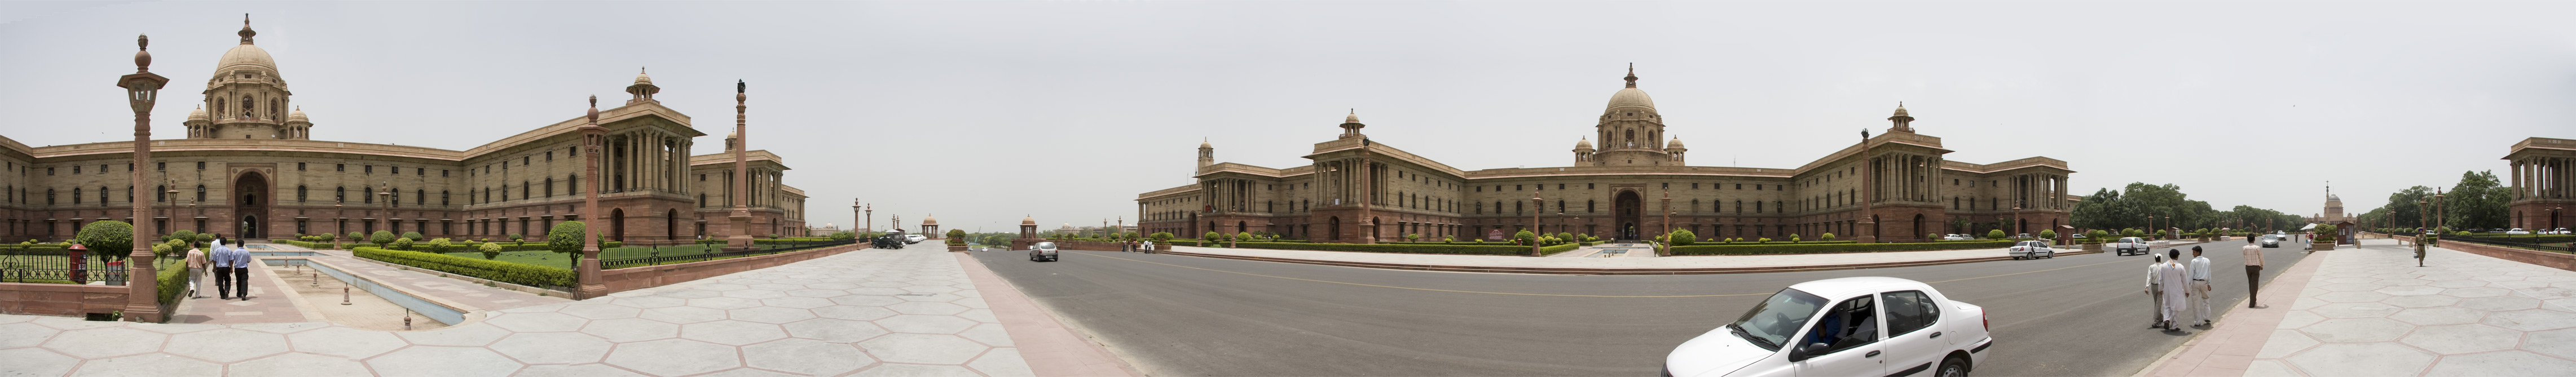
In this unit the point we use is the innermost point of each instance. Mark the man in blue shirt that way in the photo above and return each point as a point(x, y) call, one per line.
point(240, 258)
point(223, 259)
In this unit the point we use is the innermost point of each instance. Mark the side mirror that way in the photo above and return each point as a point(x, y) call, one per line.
point(1806, 351)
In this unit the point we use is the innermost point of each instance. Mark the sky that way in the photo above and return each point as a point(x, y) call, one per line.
point(984, 112)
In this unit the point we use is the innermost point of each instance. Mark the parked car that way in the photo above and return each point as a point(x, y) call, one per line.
point(2130, 245)
point(1043, 252)
point(914, 238)
point(1832, 327)
point(2271, 241)
point(2023, 235)
point(2517, 231)
point(2557, 231)
point(1956, 237)
point(889, 241)
point(2030, 250)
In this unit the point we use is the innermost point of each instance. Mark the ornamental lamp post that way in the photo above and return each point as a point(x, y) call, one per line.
point(142, 89)
point(2442, 215)
point(1868, 220)
point(593, 139)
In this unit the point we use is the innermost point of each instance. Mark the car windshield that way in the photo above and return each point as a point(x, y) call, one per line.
point(1770, 324)
point(1046, 245)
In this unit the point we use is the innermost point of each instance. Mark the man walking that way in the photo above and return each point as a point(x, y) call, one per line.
point(2155, 292)
point(240, 258)
point(223, 269)
point(2253, 273)
point(2200, 287)
point(2177, 284)
point(196, 271)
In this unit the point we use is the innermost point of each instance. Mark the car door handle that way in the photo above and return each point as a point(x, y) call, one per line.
point(1870, 354)
point(1936, 335)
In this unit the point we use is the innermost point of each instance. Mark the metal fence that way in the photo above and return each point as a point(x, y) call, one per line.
point(699, 253)
point(2521, 241)
point(59, 269)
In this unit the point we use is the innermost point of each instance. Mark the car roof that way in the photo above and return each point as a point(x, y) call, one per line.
point(1836, 289)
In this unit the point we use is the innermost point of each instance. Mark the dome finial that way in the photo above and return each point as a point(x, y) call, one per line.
point(246, 33)
point(1632, 75)
point(1354, 117)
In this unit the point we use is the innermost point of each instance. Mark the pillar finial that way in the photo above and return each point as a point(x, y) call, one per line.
point(1632, 75)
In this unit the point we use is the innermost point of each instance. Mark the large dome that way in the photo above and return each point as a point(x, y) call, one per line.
point(245, 55)
point(1631, 96)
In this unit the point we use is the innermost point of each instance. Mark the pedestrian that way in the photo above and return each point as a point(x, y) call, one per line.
point(2177, 282)
point(1149, 246)
point(2200, 287)
point(2253, 273)
point(223, 269)
point(2155, 292)
point(241, 269)
point(196, 271)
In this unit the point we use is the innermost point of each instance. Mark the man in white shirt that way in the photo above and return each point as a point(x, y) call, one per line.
point(2155, 292)
point(2200, 286)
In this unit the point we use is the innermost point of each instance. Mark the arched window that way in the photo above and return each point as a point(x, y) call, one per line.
point(299, 193)
point(201, 193)
point(161, 193)
point(76, 195)
point(420, 196)
point(340, 194)
point(550, 187)
point(247, 111)
point(102, 195)
point(442, 197)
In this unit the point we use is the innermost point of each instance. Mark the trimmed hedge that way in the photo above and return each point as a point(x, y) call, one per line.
point(38, 249)
point(507, 272)
point(1760, 249)
point(307, 245)
point(1398, 248)
point(1559, 248)
point(172, 283)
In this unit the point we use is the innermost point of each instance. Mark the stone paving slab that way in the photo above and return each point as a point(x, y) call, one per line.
point(269, 302)
point(870, 312)
point(2371, 312)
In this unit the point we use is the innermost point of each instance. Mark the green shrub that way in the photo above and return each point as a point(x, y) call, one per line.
point(566, 239)
point(489, 250)
point(1823, 248)
point(109, 239)
point(381, 238)
point(1995, 234)
point(2048, 234)
point(414, 236)
point(507, 272)
point(172, 282)
point(1559, 248)
point(402, 244)
point(1398, 248)
point(1684, 237)
point(440, 245)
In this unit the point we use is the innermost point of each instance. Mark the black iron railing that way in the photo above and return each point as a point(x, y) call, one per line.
point(698, 253)
point(60, 269)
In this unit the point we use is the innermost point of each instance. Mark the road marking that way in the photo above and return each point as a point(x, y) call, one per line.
point(1429, 289)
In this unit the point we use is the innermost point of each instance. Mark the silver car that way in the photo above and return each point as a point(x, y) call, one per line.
point(1042, 252)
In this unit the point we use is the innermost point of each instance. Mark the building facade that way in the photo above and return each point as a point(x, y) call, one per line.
point(1625, 187)
point(249, 168)
point(2543, 192)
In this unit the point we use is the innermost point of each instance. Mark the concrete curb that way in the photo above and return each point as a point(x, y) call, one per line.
point(1608, 271)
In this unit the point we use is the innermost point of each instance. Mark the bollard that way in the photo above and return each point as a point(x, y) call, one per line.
point(406, 319)
point(344, 293)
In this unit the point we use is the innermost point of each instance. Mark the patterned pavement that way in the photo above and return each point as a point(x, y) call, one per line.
point(2372, 312)
point(865, 313)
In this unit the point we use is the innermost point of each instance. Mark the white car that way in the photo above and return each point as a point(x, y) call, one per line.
point(1044, 252)
point(914, 238)
point(2127, 245)
point(2271, 241)
point(1956, 237)
point(2030, 250)
point(1836, 327)
point(2517, 231)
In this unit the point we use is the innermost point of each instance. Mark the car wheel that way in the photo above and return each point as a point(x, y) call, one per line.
point(1953, 367)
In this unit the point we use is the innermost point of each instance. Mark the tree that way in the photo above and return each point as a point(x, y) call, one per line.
point(189, 236)
point(402, 244)
point(1163, 237)
point(521, 239)
point(1212, 236)
point(382, 238)
point(2478, 201)
point(490, 250)
point(566, 239)
point(108, 239)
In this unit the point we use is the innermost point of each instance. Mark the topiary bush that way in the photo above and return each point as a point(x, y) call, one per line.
point(402, 244)
point(414, 236)
point(108, 239)
point(381, 238)
point(566, 239)
point(1684, 237)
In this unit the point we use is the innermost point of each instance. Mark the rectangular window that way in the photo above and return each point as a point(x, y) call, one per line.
point(371, 169)
point(49, 171)
point(550, 156)
point(1516, 188)
point(299, 166)
point(1694, 185)
point(702, 178)
point(424, 172)
point(163, 166)
point(201, 165)
point(340, 167)
point(442, 173)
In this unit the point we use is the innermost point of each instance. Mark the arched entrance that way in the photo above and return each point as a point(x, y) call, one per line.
point(671, 225)
point(617, 224)
point(249, 194)
point(1629, 207)
point(1241, 226)
point(1333, 226)
point(1918, 227)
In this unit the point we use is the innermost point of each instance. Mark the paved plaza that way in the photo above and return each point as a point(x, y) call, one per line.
point(2371, 312)
point(868, 312)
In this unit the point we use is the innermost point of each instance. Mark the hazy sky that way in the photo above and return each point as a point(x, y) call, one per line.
point(986, 111)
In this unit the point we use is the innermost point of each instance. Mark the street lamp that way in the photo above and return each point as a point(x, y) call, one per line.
point(142, 90)
point(1868, 220)
point(1537, 207)
point(593, 139)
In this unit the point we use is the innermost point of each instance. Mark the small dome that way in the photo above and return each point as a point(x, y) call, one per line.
point(1353, 118)
point(200, 113)
point(1676, 144)
point(1203, 144)
point(1028, 221)
point(1900, 110)
point(930, 220)
point(297, 115)
point(1586, 143)
point(641, 78)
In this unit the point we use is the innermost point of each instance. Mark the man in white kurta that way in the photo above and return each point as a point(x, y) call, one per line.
point(2200, 286)
point(2177, 281)
point(2155, 293)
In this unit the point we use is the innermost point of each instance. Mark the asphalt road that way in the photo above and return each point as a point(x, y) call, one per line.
point(2078, 315)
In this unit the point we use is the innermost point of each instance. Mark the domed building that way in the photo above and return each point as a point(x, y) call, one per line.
point(1628, 175)
point(248, 166)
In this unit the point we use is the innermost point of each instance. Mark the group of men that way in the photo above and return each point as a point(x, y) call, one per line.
point(231, 265)
point(2179, 286)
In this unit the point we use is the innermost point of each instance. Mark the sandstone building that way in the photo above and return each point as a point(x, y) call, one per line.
point(1617, 188)
point(2543, 192)
point(248, 167)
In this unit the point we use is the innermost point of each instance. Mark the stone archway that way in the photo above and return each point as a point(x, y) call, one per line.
point(1918, 227)
point(250, 204)
point(671, 225)
point(617, 224)
point(1630, 209)
point(1333, 225)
